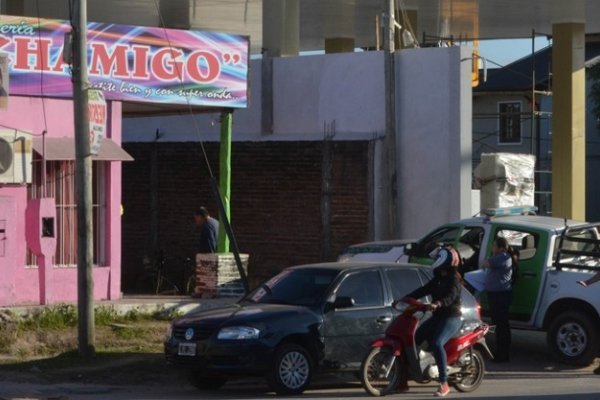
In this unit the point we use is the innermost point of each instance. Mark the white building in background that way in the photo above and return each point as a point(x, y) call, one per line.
point(346, 91)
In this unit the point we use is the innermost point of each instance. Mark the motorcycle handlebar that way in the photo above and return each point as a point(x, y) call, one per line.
point(414, 305)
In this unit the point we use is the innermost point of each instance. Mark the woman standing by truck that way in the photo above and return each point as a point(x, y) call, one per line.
point(498, 285)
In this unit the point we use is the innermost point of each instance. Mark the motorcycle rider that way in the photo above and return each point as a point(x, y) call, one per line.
point(445, 290)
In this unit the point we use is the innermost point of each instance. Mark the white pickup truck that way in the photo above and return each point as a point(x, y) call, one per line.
point(554, 254)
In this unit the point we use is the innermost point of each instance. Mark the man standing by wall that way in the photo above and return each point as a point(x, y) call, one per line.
point(209, 228)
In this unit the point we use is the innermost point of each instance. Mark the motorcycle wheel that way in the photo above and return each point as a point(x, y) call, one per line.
point(472, 374)
point(373, 370)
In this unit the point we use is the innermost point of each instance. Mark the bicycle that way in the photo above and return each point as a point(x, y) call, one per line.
point(174, 275)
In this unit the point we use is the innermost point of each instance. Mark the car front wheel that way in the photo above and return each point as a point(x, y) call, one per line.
point(573, 339)
point(291, 371)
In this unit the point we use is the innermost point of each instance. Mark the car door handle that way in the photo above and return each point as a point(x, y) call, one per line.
point(529, 274)
point(383, 320)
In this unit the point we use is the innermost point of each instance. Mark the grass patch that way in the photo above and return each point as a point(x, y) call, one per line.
point(42, 347)
point(55, 317)
point(53, 330)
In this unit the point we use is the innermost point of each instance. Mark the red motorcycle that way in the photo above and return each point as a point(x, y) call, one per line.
point(383, 366)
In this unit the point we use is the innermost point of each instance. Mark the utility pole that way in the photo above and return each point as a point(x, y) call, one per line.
point(389, 39)
point(83, 182)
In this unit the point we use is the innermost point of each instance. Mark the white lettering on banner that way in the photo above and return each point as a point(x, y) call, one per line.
point(97, 119)
point(165, 64)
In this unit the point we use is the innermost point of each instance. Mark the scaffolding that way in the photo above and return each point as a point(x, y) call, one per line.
point(536, 143)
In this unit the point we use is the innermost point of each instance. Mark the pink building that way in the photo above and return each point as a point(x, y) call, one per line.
point(38, 231)
point(21, 279)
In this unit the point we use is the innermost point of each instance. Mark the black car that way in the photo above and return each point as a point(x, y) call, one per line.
point(306, 318)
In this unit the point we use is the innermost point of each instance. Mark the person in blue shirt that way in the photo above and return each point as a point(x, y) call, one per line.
point(209, 228)
point(498, 285)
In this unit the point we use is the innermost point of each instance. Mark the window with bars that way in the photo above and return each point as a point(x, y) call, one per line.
point(509, 130)
point(60, 184)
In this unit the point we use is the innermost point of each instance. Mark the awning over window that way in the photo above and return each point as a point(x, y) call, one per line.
point(64, 149)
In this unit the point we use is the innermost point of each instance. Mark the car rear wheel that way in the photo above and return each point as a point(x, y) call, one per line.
point(291, 371)
point(572, 338)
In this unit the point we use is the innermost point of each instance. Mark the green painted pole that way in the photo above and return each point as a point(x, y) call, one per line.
point(225, 176)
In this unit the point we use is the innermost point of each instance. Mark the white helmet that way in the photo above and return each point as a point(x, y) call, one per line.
point(445, 256)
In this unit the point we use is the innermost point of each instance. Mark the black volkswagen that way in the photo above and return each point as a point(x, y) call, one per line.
point(306, 318)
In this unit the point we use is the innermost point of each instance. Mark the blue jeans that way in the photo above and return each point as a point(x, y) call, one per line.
point(437, 331)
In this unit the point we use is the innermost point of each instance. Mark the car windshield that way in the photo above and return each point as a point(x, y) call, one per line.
point(303, 287)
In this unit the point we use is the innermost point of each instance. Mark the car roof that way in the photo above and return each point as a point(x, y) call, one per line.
point(354, 265)
point(527, 221)
point(531, 221)
point(390, 243)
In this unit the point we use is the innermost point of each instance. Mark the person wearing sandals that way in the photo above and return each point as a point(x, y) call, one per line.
point(444, 289)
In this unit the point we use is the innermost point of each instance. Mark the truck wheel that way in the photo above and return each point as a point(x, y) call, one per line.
point(291, 371)
point(572, 338)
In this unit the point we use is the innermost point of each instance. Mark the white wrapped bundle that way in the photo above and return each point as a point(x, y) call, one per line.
point(506, 179)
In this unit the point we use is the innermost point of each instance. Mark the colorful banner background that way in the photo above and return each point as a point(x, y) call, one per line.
point(129, 63)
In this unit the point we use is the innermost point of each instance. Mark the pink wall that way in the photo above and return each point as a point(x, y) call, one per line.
point(56, 117)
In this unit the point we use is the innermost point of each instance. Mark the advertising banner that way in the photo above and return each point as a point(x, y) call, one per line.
point(129, 63)
point(97, 118)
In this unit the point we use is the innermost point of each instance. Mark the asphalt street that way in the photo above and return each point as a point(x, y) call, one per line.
point(532, 374)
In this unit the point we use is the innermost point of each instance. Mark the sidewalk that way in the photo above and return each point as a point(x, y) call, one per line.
point(151, 303)
point(142, 303)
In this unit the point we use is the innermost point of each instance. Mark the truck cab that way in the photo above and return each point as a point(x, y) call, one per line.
point(554, 254)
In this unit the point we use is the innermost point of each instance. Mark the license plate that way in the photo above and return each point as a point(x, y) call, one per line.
point(187, 349)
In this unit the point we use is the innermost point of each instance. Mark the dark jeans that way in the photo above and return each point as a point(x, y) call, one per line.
point(500, 313)
point(437, 331)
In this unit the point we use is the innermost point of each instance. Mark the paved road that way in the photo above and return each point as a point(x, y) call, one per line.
point(531, 375)
point(496, 387)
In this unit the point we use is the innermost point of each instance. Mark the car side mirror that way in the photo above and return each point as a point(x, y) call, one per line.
point(343, 302)
point(409, 248)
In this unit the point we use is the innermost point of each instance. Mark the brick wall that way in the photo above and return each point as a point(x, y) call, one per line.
point(275, 202)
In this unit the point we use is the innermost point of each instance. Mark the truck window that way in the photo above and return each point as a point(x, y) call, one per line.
point(447, 234)
point(468, 247)
point(582, 248)
point(524, 243)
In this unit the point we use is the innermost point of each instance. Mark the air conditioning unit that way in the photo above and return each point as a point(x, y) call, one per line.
point(15, 156)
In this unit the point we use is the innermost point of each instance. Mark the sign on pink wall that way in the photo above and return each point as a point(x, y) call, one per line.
point(129, 63)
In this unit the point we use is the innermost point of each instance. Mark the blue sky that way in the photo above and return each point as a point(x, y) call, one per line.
point(505, 51)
